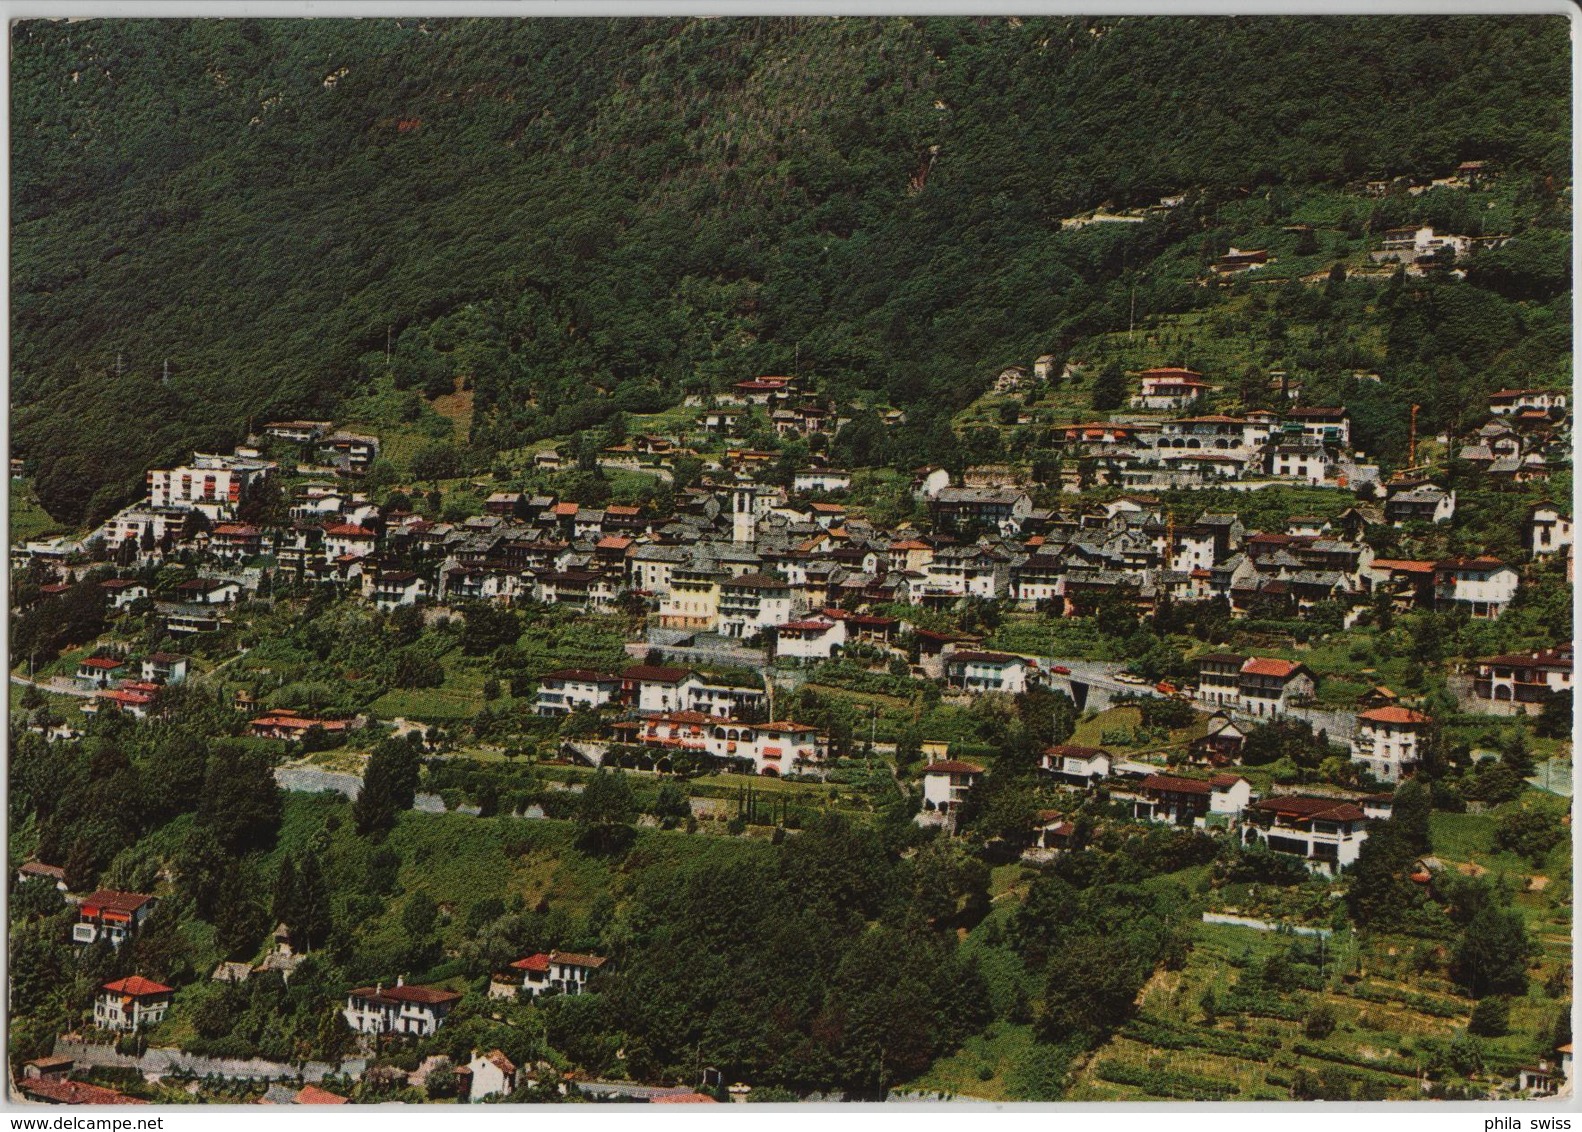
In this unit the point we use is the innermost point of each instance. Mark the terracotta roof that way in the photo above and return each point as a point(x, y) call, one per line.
point(952, 766)
point(1394, 715)
point(112, 900)
point(312, 1094)
point(1267, 666)
point(1174, 785)
point(1546, 658)
point(683, 1098)
point(659, 673)
point(577, 959)
point(1404, 565)
point(539, 962)
point(137, 986)
point(564, 509)
point(1066, 750)
point(1307, 808)
point(758, 582)
point(75, 1092)
point(427, 996)
point(348, 530)
point(1483, 563)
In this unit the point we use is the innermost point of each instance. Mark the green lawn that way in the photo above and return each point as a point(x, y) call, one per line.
point(28, 519)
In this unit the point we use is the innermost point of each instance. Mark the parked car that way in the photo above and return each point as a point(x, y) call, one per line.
point(1129, 678)
point(1060, 670)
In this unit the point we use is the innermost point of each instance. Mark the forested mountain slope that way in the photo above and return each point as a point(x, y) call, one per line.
point(580, 215)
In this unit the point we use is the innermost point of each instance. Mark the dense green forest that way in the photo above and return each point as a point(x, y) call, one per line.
point(585, 216)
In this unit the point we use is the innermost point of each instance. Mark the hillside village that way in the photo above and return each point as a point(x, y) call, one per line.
point(746, 590)
point(1192, 722)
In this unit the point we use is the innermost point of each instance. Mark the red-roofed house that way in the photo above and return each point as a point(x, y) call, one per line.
point(1326, 832)
point(1169, 387)
point(399, 1010)
point(1388, 741)
point(814, 638)
point(131, 1003)
point(1521, 682)
point(556, 972)
point(111, 915)
point(1167, 798)
point(290, 726)
point(654, 687)
point(348, 538)
point(100, 671)
point(493, 1075)
point(1268, 687)
point(236, 540)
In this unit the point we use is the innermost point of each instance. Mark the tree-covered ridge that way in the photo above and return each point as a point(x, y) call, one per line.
point(553, 208)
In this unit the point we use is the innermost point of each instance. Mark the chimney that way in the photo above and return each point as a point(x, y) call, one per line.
point(379, 988)
point(400, 980)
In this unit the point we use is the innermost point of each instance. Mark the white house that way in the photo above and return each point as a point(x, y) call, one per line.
point(1508, 402)
point(1169, 387)
point(341, 539)
point(557, 972)
point(1521, 682)
point(974, 671)
point(1268, 687)
point(112, 915)
point(564, 690)
point(399, 1010)
point(1080, 766)
point(165, 668)
point(815, 638)
point(123, 591)
point(751, 603)
point(1548, 530)
point(492, 1075)
point(131, 1004)
point(100, 671)
point(655, 688)
point(1486, 585)
point(388, 589)
point(774, 748)
point(1326, 832)
point(1229, 794)
point(212, 484)
point(1424, 503)
point(821, 479)
point(1388, 741)
point(946, 784)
